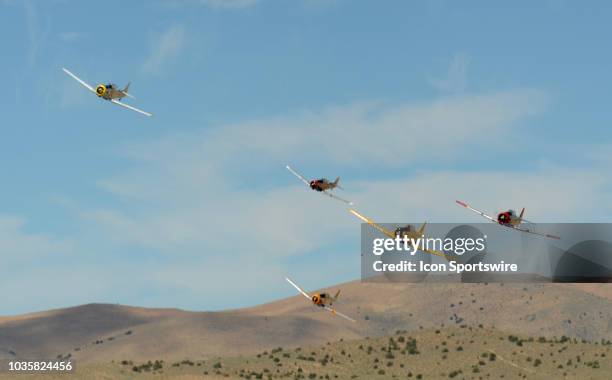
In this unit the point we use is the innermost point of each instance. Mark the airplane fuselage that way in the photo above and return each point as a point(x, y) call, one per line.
point(321, 184)
point(109, 91)
point(508, 218)
point(408, 231)
point(321, 299)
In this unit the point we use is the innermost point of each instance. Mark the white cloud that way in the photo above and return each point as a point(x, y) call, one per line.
point(18, 246)
point(570, 194)
point(32, 27)
point(229, 4)
point(58, 284)
point(35, 35)
point(212, 4)
point(196, 192)
point(359, 134)
point(166, 47)
point(456, 76)
point(200, 208)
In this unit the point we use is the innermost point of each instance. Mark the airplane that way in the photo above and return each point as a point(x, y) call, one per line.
point(109, 92)
point(323, 300)
point(508, 219)
point(322, 185)
point(410, 232)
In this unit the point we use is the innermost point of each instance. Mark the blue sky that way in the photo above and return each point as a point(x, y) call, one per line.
point(413, 104)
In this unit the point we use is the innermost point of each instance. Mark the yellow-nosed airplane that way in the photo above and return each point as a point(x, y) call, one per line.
point(109, 92)
point(323, 300)
point(410, 232)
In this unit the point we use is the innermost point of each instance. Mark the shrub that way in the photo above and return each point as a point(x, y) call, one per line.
point(411, 346)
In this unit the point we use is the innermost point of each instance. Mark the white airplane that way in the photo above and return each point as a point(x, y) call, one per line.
point(322, 185)
point(323, 300)
point(109, 92)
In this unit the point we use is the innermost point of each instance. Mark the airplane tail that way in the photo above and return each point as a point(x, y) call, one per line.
point(335, 183)
point(336, 296)
point(422, 229)
point(126, 89)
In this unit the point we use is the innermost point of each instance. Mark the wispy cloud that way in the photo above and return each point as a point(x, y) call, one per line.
point(31, 18)
point(208, 194)
point(71, 37)
point(19, 246)
point(213, 4)
point(198, 200)
point(199, 208)
point(456, 77)
point(374, 134)
point(165, 47)
point(320, 4)
point(229, 4)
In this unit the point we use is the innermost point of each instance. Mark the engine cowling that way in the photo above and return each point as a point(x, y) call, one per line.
point(316, 299)
point(504, 217)
point(101, 90)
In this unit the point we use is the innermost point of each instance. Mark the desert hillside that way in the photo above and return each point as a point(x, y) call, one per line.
point(102, 333)
point(446, 353)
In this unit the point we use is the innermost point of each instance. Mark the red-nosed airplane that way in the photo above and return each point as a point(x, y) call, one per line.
point(322, 185)
point(508, 219)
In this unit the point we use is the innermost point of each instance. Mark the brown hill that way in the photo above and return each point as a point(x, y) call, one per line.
point(100, 333)
point(445, 353)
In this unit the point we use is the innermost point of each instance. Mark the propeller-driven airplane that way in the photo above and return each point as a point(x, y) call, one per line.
point(410, 232)
point(109, 92)
point(508, 219)
point(323, 300)
point(322, 185)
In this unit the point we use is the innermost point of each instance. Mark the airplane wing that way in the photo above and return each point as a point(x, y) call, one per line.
point(298, 175)
point(87, 86)
point(335, 312)
point(337, 197)
point(392, 234)
point(373, 224)
point(130, 107)
point(533, 232)
point(492, 219)
point(298, 288)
